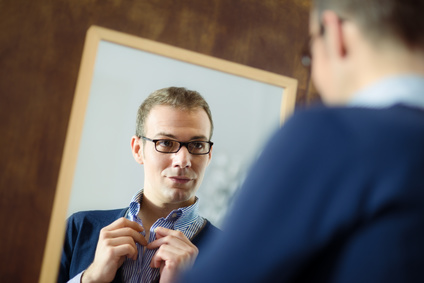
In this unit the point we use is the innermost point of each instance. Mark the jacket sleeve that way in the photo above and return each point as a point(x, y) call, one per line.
point(66, 257)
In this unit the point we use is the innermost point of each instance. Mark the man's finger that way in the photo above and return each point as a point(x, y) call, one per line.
point(171, 237)
point(168, 252)
point(124, 227)
point(162, 232)
point(123, 222)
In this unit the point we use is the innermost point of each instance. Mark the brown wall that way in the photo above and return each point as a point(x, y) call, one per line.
point(41, 45)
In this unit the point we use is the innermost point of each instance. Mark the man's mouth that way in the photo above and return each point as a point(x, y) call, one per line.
point(180, 179)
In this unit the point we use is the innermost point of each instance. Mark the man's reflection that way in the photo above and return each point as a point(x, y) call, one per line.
point(157, 235)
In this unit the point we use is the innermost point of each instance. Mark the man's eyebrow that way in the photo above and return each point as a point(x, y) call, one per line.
point(202, 137)
point(171, 136)
point(162, 134)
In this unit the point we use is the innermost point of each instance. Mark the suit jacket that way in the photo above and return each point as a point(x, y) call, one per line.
point(82, 234)
point(336, 196)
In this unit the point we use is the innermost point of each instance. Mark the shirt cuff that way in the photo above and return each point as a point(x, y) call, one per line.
point(77, 278)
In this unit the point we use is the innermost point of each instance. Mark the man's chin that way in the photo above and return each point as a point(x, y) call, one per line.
point(180, 195)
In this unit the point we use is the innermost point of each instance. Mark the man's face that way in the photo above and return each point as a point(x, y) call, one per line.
point(173, 178)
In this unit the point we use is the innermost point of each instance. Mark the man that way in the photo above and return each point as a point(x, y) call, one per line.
point(338, 193)
point(158, 234)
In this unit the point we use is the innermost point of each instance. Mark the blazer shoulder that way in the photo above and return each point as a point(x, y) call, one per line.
point(208, 231)
point(99, 217)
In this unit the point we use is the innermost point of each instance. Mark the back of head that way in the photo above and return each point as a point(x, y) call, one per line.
point(382, 20)
point(177, 97)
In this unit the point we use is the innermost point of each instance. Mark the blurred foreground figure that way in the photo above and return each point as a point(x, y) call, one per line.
point(338, 193)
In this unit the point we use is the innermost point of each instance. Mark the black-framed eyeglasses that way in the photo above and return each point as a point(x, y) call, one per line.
point(306, 56)
point(173, 146)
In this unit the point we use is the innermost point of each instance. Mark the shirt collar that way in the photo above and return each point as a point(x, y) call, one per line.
point(403, 89)
point(182, 217)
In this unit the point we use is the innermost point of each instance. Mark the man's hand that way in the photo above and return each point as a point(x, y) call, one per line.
point(175, 253)
point(117, 241)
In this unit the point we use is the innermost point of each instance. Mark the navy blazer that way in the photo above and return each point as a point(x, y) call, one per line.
point(82, 234)
point(336, 196)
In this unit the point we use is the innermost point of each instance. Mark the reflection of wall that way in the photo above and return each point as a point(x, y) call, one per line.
point(245, 113)
point(223, 179)
point(41, 46)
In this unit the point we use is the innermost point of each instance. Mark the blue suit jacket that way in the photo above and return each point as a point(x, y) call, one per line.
point(82, 234)
point(336, 196)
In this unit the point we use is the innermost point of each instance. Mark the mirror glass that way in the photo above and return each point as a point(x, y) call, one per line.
point(245, 113)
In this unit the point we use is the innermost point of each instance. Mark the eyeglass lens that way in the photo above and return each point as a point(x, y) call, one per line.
point(194, 147)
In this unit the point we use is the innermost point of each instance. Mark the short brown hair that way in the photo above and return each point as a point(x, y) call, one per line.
point(177, 97)
point(400, 20)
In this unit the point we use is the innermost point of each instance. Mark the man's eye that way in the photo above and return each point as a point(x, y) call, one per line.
point(198, 145)
point(165, 143)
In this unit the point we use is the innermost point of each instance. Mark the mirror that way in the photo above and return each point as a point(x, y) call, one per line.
point(118, 71)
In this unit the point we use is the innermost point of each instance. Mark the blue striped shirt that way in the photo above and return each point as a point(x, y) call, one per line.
point(185, 219)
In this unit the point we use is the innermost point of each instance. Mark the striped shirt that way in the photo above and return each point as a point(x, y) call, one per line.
point(185, 219)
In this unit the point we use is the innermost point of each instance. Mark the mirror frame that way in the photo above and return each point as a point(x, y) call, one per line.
point(95, 34)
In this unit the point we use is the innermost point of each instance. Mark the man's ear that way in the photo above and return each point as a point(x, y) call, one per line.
point(334, 33)
point(137, 149)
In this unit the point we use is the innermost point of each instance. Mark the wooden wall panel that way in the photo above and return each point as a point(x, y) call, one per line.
point(40, 51)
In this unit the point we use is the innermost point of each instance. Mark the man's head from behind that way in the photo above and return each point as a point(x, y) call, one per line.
point(382, 19)
point(355, 42)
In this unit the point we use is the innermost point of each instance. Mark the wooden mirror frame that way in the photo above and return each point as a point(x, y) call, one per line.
point(95, 34)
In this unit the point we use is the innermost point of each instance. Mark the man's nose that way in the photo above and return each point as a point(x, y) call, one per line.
point(182, 158)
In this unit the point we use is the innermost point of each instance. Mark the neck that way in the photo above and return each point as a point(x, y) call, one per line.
point(151, 211)
point(394, 64)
